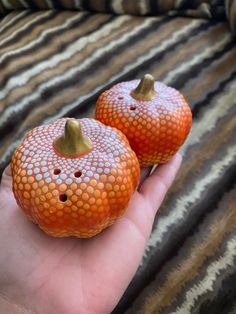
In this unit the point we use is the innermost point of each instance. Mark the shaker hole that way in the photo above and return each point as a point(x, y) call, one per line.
point(57, 171)
point(63, 197)
point(78, 174)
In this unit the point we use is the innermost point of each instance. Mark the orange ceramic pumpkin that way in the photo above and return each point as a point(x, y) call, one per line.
point(155, 118)
point(74, 177)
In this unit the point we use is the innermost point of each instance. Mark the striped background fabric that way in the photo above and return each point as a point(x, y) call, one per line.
point(212, 8)
point(230, 9)
point(196, 8)
point(56, 63)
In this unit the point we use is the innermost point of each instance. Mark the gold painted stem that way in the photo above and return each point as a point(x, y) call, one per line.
point(73, 143)
point(145, 90)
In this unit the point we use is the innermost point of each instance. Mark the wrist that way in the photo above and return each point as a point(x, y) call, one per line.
point(7, 306)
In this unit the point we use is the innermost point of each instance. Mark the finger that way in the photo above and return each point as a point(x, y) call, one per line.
point(155, 187)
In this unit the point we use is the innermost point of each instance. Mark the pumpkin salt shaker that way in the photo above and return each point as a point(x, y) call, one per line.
point(155, 117)
point(74, 177)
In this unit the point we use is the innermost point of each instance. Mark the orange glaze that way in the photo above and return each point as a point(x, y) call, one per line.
point(155, 128)
point(74, 196)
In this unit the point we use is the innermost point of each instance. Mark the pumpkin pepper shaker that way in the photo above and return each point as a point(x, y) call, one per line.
point(155, 118)
point(74, 177)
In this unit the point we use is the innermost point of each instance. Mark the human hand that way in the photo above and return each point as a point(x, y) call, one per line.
point(42, 274)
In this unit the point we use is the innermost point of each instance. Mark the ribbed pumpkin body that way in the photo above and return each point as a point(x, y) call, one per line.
point(74, 196)
point(155, 128)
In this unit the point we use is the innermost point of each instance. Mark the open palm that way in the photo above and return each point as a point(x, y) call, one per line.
point(69, 275)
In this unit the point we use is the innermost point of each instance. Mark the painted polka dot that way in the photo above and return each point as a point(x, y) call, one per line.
point(63, 187)
point(107, 170)
point(39, 177)
point(36, 170)
point(90, 189)
point(63, 176)
point(69, 181)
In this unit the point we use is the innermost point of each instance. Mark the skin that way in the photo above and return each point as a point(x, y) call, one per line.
point(42, 274)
